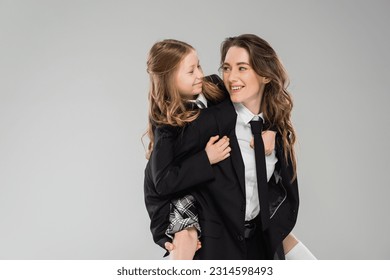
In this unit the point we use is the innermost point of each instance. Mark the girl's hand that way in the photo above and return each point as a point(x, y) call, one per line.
point(269, 141)
point(218, 150)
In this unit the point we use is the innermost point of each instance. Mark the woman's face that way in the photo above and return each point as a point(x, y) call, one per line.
point(189, 76)
point(243, 83)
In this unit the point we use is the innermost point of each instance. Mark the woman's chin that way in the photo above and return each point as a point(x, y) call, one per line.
point(235, 99)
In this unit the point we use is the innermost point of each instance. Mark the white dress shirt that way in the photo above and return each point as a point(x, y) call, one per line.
point(244, 136)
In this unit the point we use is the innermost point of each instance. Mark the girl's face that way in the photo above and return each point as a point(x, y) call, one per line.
point(189, 76)
point(243, 83)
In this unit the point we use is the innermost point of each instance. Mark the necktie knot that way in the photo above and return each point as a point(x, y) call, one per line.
point(256, 126)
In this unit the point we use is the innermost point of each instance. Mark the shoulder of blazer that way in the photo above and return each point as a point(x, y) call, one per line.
point(224, 114)
point(166, 131)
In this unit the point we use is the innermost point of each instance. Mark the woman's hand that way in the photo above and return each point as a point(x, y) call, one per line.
point(218, 150)
point(269, 141)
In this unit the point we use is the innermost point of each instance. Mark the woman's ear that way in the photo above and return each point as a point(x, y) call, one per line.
point(266, 80)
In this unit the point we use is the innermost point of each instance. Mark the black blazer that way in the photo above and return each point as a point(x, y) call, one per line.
point(183, 167)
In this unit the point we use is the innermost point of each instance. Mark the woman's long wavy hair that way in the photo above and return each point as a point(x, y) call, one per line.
point(166, 106)
point(276, 102)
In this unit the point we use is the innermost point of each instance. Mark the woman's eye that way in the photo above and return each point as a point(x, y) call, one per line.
point(225, 69)
point(242, 68)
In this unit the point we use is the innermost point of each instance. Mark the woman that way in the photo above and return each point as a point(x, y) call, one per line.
point(257, 84)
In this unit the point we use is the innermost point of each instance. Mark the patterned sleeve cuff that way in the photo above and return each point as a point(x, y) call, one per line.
point(183, 215)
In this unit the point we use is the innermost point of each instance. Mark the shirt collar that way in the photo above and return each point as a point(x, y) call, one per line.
point(246, 115)
point(200, 98)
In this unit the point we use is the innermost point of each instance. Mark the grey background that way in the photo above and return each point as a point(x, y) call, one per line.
point(73, 108)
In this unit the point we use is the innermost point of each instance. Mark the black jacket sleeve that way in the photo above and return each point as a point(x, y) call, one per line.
point(172, 174)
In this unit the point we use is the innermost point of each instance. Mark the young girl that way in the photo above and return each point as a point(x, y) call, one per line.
point(177, 92)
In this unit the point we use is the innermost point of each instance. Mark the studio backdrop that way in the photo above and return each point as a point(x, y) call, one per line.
point(73, 109)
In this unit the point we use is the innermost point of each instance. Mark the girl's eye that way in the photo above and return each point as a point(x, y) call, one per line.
point(225, 69)
point(199, 67)
point(242, 68)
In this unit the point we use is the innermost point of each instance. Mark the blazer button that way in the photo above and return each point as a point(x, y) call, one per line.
point(240, 237)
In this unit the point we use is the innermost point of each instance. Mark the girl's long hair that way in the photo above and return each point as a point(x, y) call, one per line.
point(276, 102)
point(166, 106)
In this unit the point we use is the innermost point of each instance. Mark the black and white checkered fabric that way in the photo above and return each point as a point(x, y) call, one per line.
point(183, 215)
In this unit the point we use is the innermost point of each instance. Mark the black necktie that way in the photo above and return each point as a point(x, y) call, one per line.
point(261, 172)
